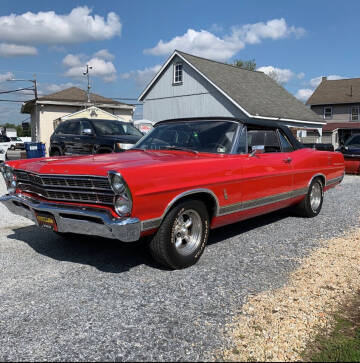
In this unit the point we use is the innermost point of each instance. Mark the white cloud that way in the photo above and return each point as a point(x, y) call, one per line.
point(272, 29)
point(202, 43)
point(51, 28)
point(5, 76)
point(206, 44)
point(73, 60)
point(104, 54)
point(13, 50)
point(142, 77)
point(76, 64)
point(314, 82)
point(280, 75)
point(301, 75)
point(304, 94)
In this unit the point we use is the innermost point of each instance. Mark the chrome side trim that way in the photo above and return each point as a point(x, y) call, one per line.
point(88, 221)
point(151, 224)
point(155, 222)
point(335, 180)
point(260, 202)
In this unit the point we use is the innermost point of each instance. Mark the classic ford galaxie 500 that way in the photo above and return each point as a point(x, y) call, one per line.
point(181, 180)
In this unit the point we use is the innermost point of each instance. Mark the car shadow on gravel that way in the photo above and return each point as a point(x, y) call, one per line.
point(236, 229)
point(112, 256)
point(106, 255)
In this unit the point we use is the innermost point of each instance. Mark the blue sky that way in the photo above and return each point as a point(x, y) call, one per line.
point(127, 41)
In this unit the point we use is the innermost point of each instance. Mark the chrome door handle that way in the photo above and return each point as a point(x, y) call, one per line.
point(76, 138)
point(288, 160)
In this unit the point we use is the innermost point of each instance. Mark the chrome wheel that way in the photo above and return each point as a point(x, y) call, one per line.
point(187, 232)
point(315, 196)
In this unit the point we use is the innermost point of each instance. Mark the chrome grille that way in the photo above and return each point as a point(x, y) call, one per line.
point(86, 189)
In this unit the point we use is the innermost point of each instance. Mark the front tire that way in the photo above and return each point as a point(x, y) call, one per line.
point(182, 236)
point(311, 205)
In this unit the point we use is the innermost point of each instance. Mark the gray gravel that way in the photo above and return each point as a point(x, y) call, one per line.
point(97, 299)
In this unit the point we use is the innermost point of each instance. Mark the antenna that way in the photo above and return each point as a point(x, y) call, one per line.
point(86, 73)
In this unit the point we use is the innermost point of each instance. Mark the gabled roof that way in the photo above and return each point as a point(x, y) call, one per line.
point(74, 95)
point(336, 91)
point(253, 92)
point(89, 110)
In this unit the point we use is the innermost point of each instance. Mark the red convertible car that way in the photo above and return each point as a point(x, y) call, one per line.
point(182, 179)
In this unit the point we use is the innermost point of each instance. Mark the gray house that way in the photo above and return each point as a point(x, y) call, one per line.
point(338, 103)
point(190, 86)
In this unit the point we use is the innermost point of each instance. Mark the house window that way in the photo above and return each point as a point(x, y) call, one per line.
point(327, 112)
point(178, 73)
point(355, 113)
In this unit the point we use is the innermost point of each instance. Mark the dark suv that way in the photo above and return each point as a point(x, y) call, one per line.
point(85, 136)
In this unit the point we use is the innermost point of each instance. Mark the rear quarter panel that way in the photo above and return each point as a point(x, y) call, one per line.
point(309, 162)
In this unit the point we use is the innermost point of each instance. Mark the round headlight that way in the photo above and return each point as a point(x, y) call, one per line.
point(117, 184)
point(9, 174)
point(123, 206)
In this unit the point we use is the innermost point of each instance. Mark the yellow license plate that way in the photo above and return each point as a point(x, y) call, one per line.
point(46, 221)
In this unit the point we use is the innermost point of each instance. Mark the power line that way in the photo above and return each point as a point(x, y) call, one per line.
point(17, 90)
point(14, 101)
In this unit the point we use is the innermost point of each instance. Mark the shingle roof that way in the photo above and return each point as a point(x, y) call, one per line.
point(336, 91)
point(254, 91)
point(75, 94)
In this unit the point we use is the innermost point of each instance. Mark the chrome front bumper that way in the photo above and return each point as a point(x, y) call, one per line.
point(82, 220)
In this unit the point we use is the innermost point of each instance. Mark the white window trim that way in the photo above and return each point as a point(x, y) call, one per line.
point(351, 113)
point(174, 73)
point(329, 117)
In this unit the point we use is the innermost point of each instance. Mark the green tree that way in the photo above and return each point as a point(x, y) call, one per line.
point(250, 64)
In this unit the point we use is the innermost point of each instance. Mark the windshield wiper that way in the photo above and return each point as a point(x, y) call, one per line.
point(173, 147)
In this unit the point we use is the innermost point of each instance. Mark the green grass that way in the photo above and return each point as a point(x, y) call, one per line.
point(342, 344)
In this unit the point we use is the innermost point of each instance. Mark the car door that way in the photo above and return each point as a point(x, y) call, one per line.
point(267, 172)
point(87, 138)
point(72, 138)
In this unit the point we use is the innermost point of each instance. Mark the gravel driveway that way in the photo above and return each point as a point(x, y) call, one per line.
point(97, 299)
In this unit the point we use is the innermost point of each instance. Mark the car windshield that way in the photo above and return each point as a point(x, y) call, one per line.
point(353, 141)
point(200, 136)
point(114, 128)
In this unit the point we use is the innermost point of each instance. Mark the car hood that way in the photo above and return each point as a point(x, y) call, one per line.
point(100, 164)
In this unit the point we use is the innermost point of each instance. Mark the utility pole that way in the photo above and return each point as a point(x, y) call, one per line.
point(35, 137)
point(27, 80)
point(88, 81)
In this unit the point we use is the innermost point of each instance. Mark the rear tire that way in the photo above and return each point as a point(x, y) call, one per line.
point(311, 205)
point(182, 236)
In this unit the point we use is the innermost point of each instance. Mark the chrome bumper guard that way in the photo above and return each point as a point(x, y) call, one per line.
point(81, 220)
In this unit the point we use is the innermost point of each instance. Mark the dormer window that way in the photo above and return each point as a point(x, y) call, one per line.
point(178, 73)
point(327, 113)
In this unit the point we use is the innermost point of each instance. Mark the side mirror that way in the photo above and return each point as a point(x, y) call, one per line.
point(257, 149)
point(87, 132)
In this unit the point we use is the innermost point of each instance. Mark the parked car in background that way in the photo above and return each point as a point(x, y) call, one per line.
point(351, 152)
point(90, 136)
point(16, 143)
point(5, 142)
point(182, 179)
